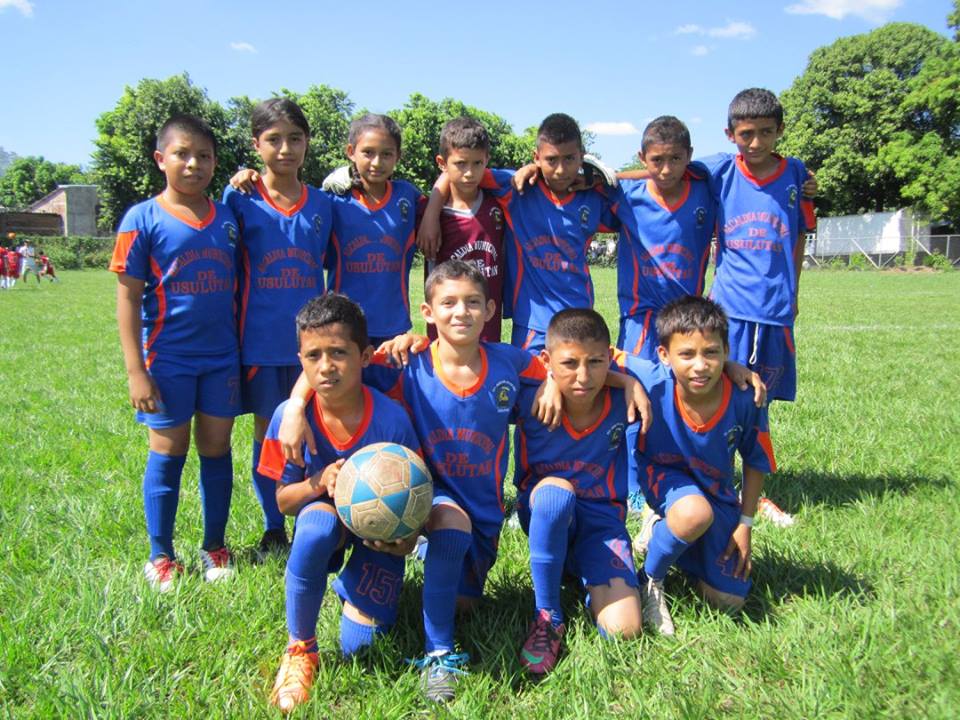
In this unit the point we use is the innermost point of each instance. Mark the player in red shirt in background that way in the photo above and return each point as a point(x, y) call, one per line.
point(46, 267)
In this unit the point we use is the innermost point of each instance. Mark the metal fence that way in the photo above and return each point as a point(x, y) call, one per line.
point(912, 251)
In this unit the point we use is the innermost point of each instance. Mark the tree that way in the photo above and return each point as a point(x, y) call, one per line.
point(848, 105)
point(6, 157)
point(123, 164)
point(953, 20)
point(422, 119)
point(28, 179)
point(328, 111)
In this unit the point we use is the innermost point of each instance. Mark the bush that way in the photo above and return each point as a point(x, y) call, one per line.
point(937, 261)
point(858, 262)
point(74, 253)
point(837, 263)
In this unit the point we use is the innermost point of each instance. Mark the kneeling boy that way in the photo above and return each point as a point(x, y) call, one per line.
point(344, 416)
point(686, 461)
point(572, 490)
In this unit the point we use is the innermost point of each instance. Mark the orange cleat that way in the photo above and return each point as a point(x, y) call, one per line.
point(295, 678)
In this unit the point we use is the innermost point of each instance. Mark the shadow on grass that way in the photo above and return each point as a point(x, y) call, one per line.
point(793, 490)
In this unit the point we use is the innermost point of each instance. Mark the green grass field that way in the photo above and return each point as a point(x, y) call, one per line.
point(854, 613)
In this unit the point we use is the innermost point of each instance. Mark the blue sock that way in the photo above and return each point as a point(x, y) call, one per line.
point(318, 533)
point(355, 636)
point(266, 491)
point(441, 578)
point(550, 519)
point(216, 487)
point(663, 551)
point(161, 495)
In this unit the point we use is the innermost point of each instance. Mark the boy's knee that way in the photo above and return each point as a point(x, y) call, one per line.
point(617, 609)
point(690, 517)
point(447, 516)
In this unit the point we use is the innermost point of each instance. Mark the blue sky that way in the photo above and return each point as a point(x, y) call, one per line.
point(613, 65)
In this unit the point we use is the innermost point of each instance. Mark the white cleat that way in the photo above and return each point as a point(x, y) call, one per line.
point(656, 615)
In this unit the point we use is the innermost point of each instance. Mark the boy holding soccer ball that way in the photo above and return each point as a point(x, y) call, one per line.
point(343, 415)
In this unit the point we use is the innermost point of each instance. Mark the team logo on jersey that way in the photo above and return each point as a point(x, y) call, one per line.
point(701, 215)
point(615, 435)
point(792, 196)
point(732, 435)
point(231, 230)
point(503, 393)
point(584, 215)
point(497, 214)
point(404, 206)
point(318, 224)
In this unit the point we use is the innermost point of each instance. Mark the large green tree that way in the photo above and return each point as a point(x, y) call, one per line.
point(28, 179)
point(849, 104)
point(123, 164)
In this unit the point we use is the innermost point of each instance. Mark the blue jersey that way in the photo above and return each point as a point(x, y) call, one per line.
point(371, 252)
point(760, 226)
point(546, 255)
point(383, 421)
point(593, 460)
point(463, 431)
point(704, 452)
point(281, 255)
point(189, 274)
point(663, 249)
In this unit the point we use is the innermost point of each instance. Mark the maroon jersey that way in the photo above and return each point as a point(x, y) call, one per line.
point(476, 236)
point(13, 263)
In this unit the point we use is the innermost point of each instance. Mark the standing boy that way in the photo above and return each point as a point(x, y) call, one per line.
point(344, 416)
point(174, 259)
point(472, 222)
point(686, 462)
point(572, 491)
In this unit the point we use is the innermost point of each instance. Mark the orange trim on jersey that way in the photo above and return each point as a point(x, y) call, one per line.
point(712, 422)
point(580, 434)
point(763, 438)
point(338, 270)
point(635, 290)
point(161, 304)
point(271, 459)
point(498, 479)
point(252, 372)
point(524, 461)
point(789, 340)
point(531, 334)
point(611, 490)
point(362, 199)
point(703, 270)
point(125, 240)
point(809, 215)
point(245, 297)
point(297, 206)
point(459, 391)
point(661, 201)
point(742, 167)
point(552, 196)
point(535, 369)
point(361, 429)
point(195, 224)
point(148, 363)
point(618, 357)
point(643, 333)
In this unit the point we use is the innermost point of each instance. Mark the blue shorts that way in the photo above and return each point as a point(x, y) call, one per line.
point(264, 387)
point(480, 557)
point(190, 384)
point(598, 545)
point(533, 341)
point(370, 580)
point(638, 335)
point(769, 351)
point(702, 557)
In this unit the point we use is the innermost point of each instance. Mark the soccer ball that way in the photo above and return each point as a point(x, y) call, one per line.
point(383, 492)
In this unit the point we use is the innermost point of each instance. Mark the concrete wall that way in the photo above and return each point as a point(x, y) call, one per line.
point(76, 204)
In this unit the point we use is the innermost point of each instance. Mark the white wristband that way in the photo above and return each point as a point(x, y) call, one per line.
point(746, 520)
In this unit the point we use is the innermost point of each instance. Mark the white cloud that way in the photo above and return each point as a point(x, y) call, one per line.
point(733, 29)
point(700, 50)
point(872, 10)
point(24, 6)
point(613, 128)
point(238, 46)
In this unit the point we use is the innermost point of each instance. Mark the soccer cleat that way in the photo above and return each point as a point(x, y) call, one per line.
point(540, 650)
point(770, 511)
point(295, 677)
point(642, 541)
point(439, 675)
point(272, 541)
point(162, 573)
point(656, 614)
point(217, 564)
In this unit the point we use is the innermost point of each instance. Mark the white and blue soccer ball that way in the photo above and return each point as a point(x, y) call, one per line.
point(384, 492)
